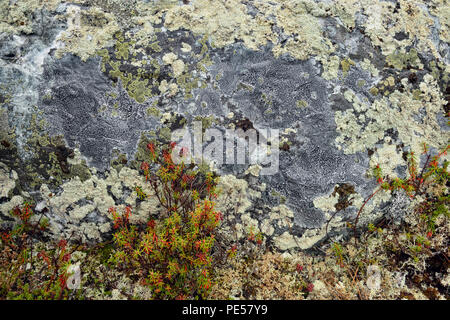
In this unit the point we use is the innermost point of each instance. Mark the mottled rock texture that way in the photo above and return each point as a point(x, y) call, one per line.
point(85, 84)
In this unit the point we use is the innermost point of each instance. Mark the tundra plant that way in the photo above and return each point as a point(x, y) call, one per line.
point(28, 273)
point(433, 175)
point(173, 254)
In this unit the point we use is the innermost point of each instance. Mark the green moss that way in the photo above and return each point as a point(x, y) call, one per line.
point(165, 134)
point(81, 170)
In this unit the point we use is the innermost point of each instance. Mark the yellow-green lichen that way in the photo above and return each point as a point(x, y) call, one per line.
point(16, 16)
point(346, 64)
point(87, 32)
point(302, 104)
point(396, 111)
point(402, 60)
point(153, 111)
point(225, 21)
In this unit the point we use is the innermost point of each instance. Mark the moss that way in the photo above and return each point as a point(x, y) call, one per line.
point(81, 170)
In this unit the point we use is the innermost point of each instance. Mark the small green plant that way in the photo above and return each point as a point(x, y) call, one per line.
point(338, 252)
point(25, 273)
point(416, 183)
point(255, 237)
point(173, 254)
point(433, 208)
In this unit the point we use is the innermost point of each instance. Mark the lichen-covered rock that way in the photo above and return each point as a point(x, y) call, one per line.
point(85, 84)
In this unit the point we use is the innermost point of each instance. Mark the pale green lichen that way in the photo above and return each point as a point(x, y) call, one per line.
point(401, 59)
point(331, 67)
point(397, 111)
point(15, 201)
point(16, 16)
point(367, 65)
point(94, 192)
point(441, 9)
point(345, 10)
point(383, 23)
point(387, 158)
point(226, 21)
point(8, 180)
point(233, 195)
point(326, 203)
point(87, 31)
point(177, 67)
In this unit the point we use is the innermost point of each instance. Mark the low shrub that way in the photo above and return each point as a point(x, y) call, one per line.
point(26, 273)
point(174, 253)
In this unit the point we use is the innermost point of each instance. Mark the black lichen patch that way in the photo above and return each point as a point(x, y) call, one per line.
point(244, 124)
point(401, 36)
point(412, 77)
point(5, 144)
point(344, 190)
point(62, 153)
point(447, 105)
point(285, 146)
